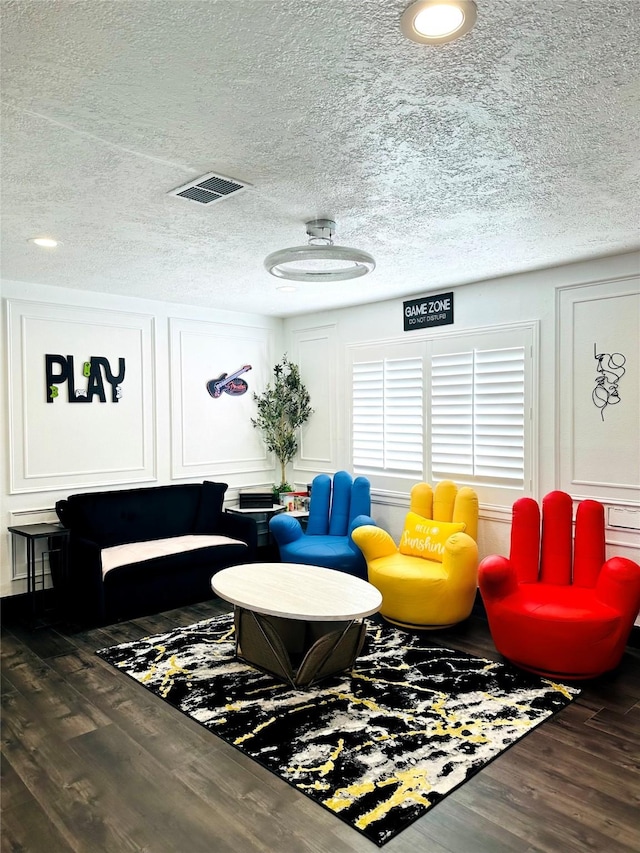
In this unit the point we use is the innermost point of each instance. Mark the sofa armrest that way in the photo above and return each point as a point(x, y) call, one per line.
point(239, 527)
point(63, 512)
point(83, 589)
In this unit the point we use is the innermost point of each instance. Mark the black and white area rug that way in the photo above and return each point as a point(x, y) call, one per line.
point(379, 746)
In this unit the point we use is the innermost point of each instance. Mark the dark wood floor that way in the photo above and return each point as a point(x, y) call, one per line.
point(92, 762)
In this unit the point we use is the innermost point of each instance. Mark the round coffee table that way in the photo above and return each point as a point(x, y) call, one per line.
point(298, 622)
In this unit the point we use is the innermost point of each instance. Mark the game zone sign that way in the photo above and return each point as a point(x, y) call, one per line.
point(428, 311)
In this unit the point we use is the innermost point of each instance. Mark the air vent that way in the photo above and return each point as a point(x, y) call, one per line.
point(208, 189)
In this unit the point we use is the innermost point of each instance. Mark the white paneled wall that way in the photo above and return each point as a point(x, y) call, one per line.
point(65, 425)
point(315, 351)
point(212, 436)
point(165, 427)
point(598, 389)
point(547, 300)
point(179, 433)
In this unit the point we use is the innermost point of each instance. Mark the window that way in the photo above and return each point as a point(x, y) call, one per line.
point(388, 424)
point(477, 416)
point(454, 406)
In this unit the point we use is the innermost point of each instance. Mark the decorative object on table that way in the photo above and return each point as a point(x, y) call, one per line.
point(253, 499)
point(286, 500)
point(301, 502)
point(294, 501)
point(552, 617)
point(377, 748)
point(232, 385)
point(337, 507)
point(282, 409)
point(430, 579)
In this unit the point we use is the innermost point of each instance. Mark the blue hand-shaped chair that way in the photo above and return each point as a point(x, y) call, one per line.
point(336, 509)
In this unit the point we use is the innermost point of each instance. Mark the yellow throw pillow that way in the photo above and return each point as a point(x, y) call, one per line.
point(425, 538)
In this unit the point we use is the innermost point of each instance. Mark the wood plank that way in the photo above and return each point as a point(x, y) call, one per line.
point(27, 828)
point(43, 642)
point(618, 690)
point(624, 725)
point(586, 816)
point(139, 713)
point(51, 697)
point(59, 782)
point(503, 793)
point(568, 726)
point(5, 685)
point(593, 772)
point(460, 828)
point(257, 796)
point(142, 798)
point(13, 791)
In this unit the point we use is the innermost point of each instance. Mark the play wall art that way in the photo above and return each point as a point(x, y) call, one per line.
point(95, 376)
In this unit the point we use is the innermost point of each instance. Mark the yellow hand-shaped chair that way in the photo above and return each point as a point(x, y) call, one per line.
point(430, 580)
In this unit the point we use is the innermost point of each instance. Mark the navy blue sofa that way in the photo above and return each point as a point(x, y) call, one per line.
point(140, 551)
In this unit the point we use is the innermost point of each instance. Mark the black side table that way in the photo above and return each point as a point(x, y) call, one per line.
point(268, 549)
point(57, 543)
point(261, 516)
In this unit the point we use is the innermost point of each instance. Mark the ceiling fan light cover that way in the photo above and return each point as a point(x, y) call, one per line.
point(438, 21)
point(356, 263)
point(319, 261)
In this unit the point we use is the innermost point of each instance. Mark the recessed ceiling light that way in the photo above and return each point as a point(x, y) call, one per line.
point(287, 288)
point(46, 242)
point(438, 21)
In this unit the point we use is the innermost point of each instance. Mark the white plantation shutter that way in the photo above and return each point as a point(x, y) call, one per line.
point(499, 413)
point(368, 415)
point(452, 414)
point(455, 405)
point(388, 424)
point(478, 416)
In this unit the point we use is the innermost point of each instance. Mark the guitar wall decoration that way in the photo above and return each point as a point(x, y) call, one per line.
point(232, 385)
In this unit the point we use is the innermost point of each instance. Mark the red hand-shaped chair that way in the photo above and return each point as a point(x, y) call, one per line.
point(546, 618)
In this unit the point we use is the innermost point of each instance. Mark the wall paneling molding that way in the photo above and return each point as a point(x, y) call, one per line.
point(73, 433)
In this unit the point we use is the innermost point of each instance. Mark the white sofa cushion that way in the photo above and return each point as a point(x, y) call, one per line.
point(136, 552)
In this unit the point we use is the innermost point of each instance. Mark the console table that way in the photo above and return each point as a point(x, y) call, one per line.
point(57, 543)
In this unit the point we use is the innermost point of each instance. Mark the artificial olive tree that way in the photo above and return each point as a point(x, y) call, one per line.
point(282, 409)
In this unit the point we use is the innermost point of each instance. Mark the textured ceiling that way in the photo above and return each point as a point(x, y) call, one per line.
point(514, 148)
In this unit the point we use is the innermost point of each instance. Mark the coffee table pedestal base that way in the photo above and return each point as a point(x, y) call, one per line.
point(297, 651)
